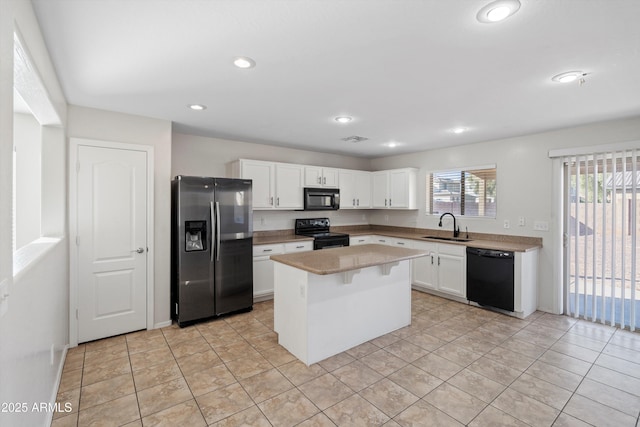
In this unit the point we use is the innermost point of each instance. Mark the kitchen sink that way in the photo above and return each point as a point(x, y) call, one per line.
point(450, 239)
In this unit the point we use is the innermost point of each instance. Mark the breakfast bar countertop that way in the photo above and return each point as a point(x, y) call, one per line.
point(337, 260)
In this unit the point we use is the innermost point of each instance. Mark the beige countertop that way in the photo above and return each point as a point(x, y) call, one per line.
point(482, 241)
point(337, 260)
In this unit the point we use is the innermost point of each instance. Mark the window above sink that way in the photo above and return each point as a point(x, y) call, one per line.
point(464, 192)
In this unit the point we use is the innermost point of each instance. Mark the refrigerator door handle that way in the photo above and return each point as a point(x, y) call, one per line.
point(212, 217)
point(218, 231)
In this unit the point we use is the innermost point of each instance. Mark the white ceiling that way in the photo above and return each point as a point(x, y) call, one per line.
point(406, 70)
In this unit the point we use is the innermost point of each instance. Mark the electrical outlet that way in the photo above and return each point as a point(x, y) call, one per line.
point(541, 225)
point(506, 224)
point(521, 221)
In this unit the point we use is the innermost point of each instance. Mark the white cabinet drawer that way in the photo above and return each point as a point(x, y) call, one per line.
point(266, 250)
point(359, 240)
point(456, 250)
point(298, 247)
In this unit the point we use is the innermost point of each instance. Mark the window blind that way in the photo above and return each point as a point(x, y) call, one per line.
point(469, 192)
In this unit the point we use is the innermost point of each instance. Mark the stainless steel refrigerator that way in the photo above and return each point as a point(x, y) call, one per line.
point(212, 264)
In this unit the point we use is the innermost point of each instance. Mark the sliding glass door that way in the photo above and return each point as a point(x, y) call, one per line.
point(601, 229)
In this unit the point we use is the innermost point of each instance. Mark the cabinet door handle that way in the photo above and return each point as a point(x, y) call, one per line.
point(267, 250)
point(389, 202)
point(438, 260)
point(358, 203)
point(300, 247)
point(271, 201)
point(319, 180)
point(277, 201)
point(431, 259)
point(400, 243)
point(324, 180)
point(385, 203)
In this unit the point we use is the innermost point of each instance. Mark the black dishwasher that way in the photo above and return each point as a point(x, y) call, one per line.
point(490, 277)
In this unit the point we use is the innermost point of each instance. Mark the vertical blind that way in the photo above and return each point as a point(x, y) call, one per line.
point(601, 229)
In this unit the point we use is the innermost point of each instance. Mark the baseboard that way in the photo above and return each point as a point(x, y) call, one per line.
point(52, 400)
point(162, 324)
point(264, 296)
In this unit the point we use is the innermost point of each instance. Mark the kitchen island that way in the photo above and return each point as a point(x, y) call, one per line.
point(328, 301)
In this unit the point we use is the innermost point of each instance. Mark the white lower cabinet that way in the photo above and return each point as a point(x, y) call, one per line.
point(444, 270)
point(263, 266)
point(359, 240)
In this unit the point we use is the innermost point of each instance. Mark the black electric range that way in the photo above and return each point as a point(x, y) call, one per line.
point(318, 228)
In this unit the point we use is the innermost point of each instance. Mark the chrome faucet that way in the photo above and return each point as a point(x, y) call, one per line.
point(456, 232)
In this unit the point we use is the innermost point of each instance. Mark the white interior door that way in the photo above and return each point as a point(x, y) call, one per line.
point(112, 241)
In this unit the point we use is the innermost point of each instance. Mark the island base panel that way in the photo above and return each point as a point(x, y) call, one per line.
point(319, 316)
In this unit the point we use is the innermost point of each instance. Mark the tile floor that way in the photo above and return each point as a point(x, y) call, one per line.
point(455, 365)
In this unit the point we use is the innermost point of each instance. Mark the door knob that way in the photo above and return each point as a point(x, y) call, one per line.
point(139, 250)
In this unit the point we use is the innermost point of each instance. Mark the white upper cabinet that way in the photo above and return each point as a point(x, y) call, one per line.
point(315, 176)
point(395, 189)
point(275, 185)
point(289, 179)
point(355, 189)
point(263, 176)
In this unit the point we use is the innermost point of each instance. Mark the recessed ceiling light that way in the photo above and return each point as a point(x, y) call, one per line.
point(568, 77)
point(244, 62)
point(197, 107)
point(497, 11)
point(458, 130)
point(391, 144)
point(343, 119)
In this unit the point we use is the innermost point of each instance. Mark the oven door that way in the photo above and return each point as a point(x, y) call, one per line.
point(330, 242)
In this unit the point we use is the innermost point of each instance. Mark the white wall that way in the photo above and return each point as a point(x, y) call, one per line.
point(109, 126)
point(33, 332)
point(526, 187)
point(202, 156)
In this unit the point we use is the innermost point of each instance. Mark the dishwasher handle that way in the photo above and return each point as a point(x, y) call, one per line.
point(490, 253)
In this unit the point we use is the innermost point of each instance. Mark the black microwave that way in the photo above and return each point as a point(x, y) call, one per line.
point(320, 199)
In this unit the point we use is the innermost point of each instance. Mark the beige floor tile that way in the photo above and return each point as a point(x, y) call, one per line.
point(182, 414)
point(619, 365)
point(102, 355)
point(415, 380)
point(615, 379)
point(105, 391)
point(69, 420)
point(101, 372)
point(73, 362)
point(104, 343)
point(266, 385)
point(356, 412)
point(623, 353)
point(246, 367)
point(264, 341)
point(146, 359)
point(576, 351)
point(202, 382)
point(114, 413)
point(494, 417)
point(456, 403)
point(593, 330)
point(438, 366)
point(318, 420)
point(158, 374)
point(299, 373)
point(426, 341)
point(357, 376)
point(563, 323)
point(250, 417)
point(199, 362)
point(444, 333)
point(543, 330)
point(163, 396)
point(525, 408)
point(566, 420)
point(630, 340)
point(385, 340)
point(534, 338)
point(235, 350)
point(457, 354)
point(70, 380)
point(325, 391)
point(362, 350)
point(422, 414)
point(554, 375)
point(542, 391)
point(337, 361)
point(495, 371)
point(277, 355)
point(174, 334)
point(383, 362)
point(474, 344)
point(147, 343)
point(582, 341)
point(510, 358)
point(223, 402)
point(617, 399)
point(596, 413)
point(189, 347)
point(68, 402)
point(288, 408)
point(389, 397)
point(477, 385)
point(565, 362)
point(406, 351)
point(522, 347)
